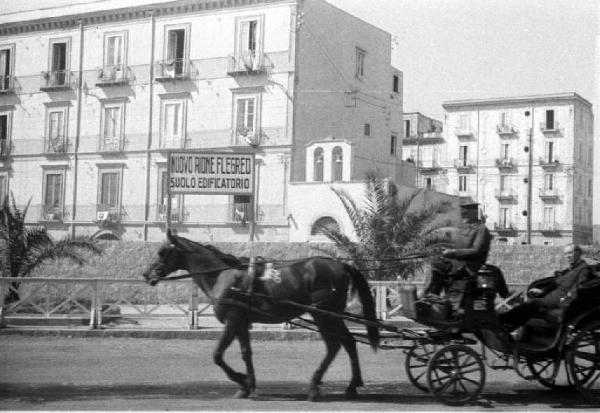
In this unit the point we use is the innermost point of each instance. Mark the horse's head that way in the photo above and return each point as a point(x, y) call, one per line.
point(169, 259)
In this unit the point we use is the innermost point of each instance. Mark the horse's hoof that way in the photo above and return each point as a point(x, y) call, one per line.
point(351, 394)
point(241, 394)
point(313, 394)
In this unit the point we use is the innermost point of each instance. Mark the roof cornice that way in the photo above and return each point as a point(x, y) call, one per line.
point(124, 14)
point(516, 100)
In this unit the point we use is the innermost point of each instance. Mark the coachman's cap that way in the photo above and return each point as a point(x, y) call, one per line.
point(471, 206)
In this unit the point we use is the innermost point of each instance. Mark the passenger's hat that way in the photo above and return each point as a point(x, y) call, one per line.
point(469, 206)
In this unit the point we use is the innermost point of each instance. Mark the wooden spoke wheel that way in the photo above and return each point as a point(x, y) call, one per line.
point(583, 361)
point(416, 363)
point(551, 374)
point(456, 374)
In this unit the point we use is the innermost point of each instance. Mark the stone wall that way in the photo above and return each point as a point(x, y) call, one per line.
point(120, 260)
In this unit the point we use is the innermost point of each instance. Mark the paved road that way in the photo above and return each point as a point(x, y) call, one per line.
point(49, 373)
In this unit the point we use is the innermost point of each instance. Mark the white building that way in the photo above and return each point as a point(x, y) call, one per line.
point(91, 101)
point(528, 160)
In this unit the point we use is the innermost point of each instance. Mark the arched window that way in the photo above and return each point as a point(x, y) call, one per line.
point(318, 167)
point(324, 222)
point(337, 164)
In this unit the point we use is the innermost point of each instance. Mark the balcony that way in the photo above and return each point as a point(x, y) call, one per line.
point(547, 164)
point(7, 84)
point(4, 149)
point(550, 128)
point(52, 213)
point(172, 70)
point(549, 195)
point(111, 145)
point(248, 63)
point(58, 145)
point(506, 195)
point(113, 75)
point(427, 138)
point(505, 163)
point(464, 165)
point(505, 228)
point(548, 227)
point(428, 166)
point(57, 80)
point(464, 133)
point(107, 215)
point(506, 131)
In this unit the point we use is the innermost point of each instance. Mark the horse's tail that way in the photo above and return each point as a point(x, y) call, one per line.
point(360, 284)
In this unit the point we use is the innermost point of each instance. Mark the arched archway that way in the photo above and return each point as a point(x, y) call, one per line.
point(318, 165)
point(337, 164)
point(106, 235)
point(324, 222)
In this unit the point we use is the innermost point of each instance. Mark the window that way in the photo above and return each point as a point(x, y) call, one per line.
point(176, 51)
point(550, 119)
point(548, 182)
point(504, 183)
point(56, 129)
point(463, 122)
point(462, 183)
point(428, 183)
point(4, 141)
point(337, 164)
point(6, 67)
point(176, 200)
point(59, 74)
point(462, 154)
point(3, 186)
point(249, 47)
point(318, 165)
point(109, 193)
point(505, 151)
point(548, 217)
point(367, 129)
point(396, 84)
point(172, 124)
point(53, 190)
point(393, 145)
point(247, 117)
point(114, 56)
point(549, 152)
point(503, 218)
point(407, 128)
point(360, 63)
point(503, 118)
point(242, 209)
point(112, 127)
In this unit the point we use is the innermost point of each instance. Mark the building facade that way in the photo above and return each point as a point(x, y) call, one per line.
point(528, 161)
point(422, 145)
point(93, 100)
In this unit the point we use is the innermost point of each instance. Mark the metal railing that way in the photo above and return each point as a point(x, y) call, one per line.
point(57, 79)
point(172, 69)
point(247, 62)
point(112, 75)
point(57, 144)
point(96, 299)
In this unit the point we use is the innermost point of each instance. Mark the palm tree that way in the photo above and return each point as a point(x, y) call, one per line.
point(23, 248)
point(387, 228)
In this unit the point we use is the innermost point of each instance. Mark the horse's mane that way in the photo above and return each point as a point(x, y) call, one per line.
point(228, 259)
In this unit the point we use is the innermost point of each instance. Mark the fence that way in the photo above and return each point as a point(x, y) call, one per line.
point(103, 298)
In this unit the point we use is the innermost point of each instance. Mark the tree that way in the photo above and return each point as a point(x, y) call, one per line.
point(24, 248)
point(388, 228)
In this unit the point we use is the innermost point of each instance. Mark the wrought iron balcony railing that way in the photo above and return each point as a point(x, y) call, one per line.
point(464, 133)
point(506, 130)
point(505, 194)
point(504, 227)
point(248, 63)
point(113, 75)
point(549, 194)
point(549, 163)
point(53, 213)
point(56, 145)
point(550, 127)
point(464, 164)
point(111, 144)
point(172, 69)
point(505, 163)
point(548, 226)
point(57, 80)
point(108, 214)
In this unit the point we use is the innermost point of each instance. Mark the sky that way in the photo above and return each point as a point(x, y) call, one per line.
point(467, 49)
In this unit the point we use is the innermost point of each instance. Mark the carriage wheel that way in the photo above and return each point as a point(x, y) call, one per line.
point(583, 360)
point(416, 362)
point(543, 372)
point(456, 374)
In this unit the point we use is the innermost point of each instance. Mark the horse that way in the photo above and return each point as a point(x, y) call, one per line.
point(240, 299)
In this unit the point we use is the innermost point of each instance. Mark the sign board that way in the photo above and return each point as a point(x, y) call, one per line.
point(213, 173)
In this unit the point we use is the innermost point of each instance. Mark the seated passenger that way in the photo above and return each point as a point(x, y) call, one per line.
point(472, 245)
point(556, 294)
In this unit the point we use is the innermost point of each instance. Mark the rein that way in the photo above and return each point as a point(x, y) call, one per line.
point(191, 274)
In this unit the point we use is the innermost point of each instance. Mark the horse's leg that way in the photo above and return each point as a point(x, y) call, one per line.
point(229, 333)
point(349, 344)
point(333, 345)
point(246, 350)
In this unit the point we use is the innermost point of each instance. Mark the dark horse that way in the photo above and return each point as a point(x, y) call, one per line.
point(320, 282)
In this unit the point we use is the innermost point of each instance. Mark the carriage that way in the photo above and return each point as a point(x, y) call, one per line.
point(561, 352)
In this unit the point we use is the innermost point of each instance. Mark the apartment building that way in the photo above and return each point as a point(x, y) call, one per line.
point(93, 98)
point(422, 145)
point(529, 161)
